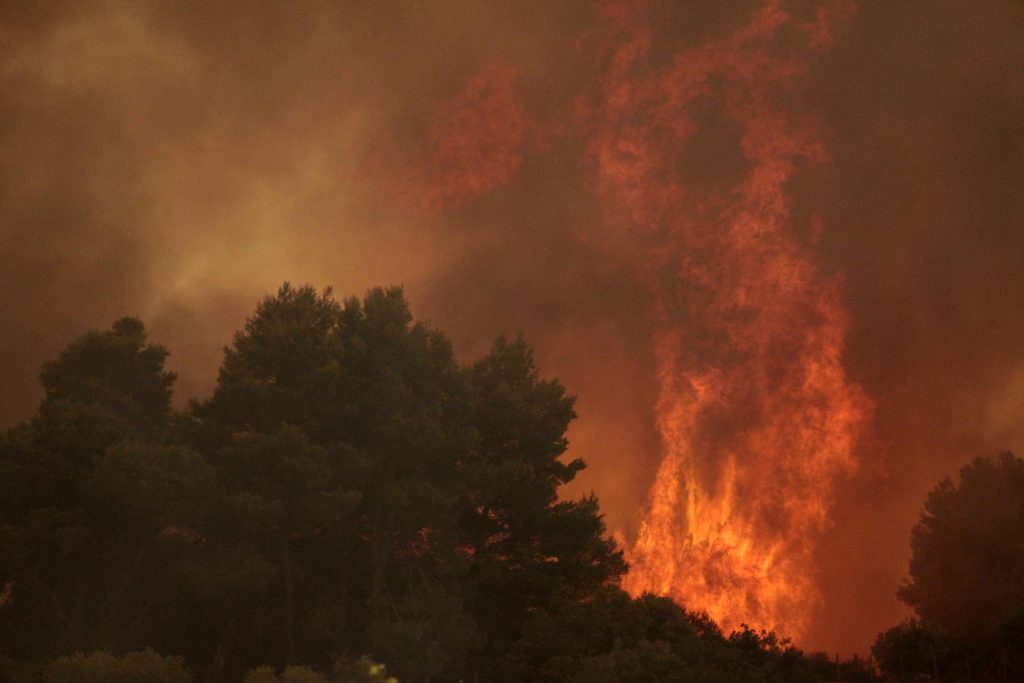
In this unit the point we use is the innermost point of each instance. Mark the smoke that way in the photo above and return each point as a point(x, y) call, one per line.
point(924, 215)
point(178, 160)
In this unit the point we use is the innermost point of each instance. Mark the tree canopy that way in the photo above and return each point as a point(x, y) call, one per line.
point(966, 578)
point(349, 490)
point(967, 561)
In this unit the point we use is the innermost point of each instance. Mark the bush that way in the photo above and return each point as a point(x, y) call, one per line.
point(263, 674)
point(361, 670)
point(101, 667)
point(292, 674)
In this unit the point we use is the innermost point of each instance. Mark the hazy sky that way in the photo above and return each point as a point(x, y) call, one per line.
point(177, 161)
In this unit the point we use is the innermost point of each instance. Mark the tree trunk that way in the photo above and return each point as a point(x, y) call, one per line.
point(380, 549)
point(289, 601)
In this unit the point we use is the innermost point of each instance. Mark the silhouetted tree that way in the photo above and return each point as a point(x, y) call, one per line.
point(529, 551)
point(967, 561)
point(915, 648)
point(94, 504)
point(456, 537)
point(346, 424)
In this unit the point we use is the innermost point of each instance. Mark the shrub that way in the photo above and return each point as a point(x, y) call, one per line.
point(101, 667)
point(292, 674)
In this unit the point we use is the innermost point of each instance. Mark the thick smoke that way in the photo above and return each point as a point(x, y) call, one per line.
point(177, 161)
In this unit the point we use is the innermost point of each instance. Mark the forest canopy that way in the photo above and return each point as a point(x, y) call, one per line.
point(349, 494)
point(348, 488)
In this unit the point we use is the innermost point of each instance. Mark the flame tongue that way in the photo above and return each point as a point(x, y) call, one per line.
point(755, 411)
point(756, 414)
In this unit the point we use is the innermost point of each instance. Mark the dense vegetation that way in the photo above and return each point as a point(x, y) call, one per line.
point(966, 580)
point(349, 494)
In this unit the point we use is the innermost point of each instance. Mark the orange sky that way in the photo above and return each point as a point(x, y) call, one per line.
point(177, 161)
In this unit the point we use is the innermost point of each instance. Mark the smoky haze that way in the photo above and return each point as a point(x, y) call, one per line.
point(177, 161)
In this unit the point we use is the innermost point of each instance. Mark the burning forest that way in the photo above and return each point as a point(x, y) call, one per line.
point(769, 249)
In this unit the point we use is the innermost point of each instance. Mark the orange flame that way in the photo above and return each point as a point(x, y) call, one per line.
point(477, 139)
point(755, 412)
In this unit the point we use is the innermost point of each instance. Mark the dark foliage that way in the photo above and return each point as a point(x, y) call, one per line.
point(347, 490)
point(966, 579)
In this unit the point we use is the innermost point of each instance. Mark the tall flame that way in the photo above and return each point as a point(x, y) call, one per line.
point(755, 412)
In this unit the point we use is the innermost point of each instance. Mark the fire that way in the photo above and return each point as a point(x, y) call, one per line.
point(756, 414)
point(477, 139)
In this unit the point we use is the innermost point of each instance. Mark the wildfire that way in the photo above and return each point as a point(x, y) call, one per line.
point(756, 414)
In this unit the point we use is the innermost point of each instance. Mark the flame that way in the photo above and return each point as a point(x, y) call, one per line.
point(477, 140)
point(755, 412)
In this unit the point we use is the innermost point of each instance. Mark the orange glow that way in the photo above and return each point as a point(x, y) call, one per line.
point(477, 140)
point(756, 414)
